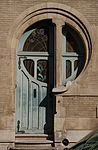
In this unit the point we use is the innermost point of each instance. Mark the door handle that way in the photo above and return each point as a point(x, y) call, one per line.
point(34, 93)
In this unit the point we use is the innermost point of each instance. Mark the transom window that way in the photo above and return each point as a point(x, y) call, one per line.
point(37, 41)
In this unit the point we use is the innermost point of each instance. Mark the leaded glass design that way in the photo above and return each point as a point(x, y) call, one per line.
point(37, 41)
point(42, 66)
point(29, 65)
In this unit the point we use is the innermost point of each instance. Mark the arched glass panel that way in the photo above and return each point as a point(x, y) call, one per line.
point(29, 65)
point(37, 41)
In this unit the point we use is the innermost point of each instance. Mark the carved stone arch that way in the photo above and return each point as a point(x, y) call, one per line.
point(50, 11)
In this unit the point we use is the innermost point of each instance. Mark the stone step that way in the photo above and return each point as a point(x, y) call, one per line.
point(34, 148)
point(27, 137)
point(30, 143)
point(33, 142)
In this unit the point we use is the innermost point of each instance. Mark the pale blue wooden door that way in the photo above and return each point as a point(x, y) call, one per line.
point(31, 93)
point(35, 79)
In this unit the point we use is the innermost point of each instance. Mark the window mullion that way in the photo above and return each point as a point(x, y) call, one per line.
point(58, 52)
point(72, 63)
point(35, 69)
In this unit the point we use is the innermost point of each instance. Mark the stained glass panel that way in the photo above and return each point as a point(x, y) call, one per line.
point(42, 66)
point(37, 41)
point(29, 65)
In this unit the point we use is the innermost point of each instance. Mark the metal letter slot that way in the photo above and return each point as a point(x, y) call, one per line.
point(34, 93)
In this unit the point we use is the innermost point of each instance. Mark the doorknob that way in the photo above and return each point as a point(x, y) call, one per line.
point(34, 93)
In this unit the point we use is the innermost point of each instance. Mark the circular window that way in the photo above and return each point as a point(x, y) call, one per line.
point(39, 41)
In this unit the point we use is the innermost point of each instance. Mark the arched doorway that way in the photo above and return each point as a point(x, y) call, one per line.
point(36, 73)
point(56, 14)
point(35, 79)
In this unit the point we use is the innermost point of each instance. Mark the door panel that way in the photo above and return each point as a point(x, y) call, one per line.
point(31, 94)
point(22, 93)
point(24, 102)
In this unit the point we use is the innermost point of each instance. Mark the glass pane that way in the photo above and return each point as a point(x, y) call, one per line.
point(72, 41)
point(71, 45)
point(73, 50)
point(37, 41)
point(68, 68)
point(75, 64)
point(42, 70)
point(29, 65)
